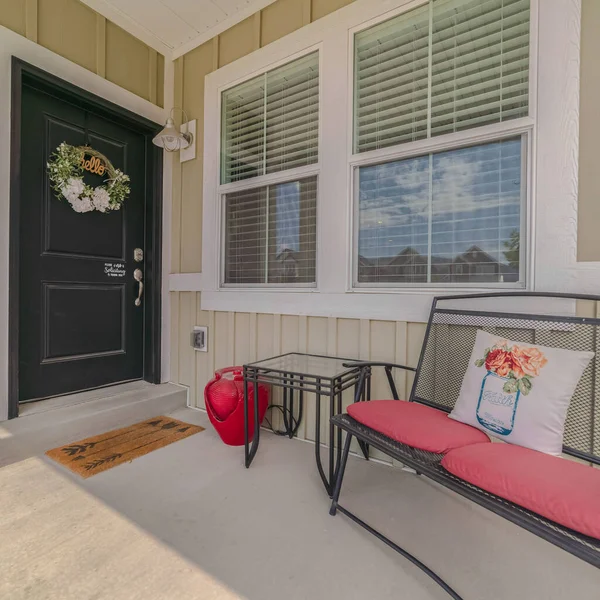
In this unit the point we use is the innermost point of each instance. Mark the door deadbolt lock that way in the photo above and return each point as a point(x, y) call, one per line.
point(138, 255)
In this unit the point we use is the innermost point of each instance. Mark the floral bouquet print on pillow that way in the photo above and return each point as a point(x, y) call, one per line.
point(510, 370)
point(519, 392)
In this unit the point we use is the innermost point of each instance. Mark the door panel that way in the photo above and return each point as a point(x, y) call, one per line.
point(83, 320)
point(79, 327)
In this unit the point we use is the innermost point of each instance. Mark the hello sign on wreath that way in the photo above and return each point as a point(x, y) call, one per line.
point(65, 170)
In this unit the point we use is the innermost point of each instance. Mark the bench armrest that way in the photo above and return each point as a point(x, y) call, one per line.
point(368, 363)
point(364, 365)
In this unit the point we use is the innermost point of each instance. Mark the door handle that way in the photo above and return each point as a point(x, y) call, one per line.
point(138, 275)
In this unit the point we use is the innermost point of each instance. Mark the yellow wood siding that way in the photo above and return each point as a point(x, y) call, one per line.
point(237, 41)
point(275, 21)
point(281, 18)
point(321, 8)
point(236, 338)
point(12, 15)
point(588, 210)
point(128, 61)
point(196, 65)
point(76, 32)
point(68, 28)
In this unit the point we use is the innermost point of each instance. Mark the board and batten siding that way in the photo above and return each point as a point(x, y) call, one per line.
point(238, 338)
point(235, 338)
point(73, 30)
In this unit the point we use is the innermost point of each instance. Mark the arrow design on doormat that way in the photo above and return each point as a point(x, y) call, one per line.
point(78, 448)
point(101, 461)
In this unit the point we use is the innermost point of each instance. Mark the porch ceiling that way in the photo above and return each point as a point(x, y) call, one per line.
point(174, 27)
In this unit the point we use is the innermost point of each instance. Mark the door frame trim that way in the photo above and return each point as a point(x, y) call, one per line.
point(23, 73)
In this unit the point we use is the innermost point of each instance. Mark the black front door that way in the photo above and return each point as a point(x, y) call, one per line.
point(79, 326)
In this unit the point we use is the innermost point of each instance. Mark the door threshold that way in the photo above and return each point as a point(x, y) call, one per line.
point(32, 407)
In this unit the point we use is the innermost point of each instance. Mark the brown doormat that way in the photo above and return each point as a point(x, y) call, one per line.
point(102, 452)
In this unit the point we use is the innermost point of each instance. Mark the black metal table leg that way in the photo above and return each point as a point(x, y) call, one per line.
point(339, 439)
point(291, 429)
point(246, 443)
point(250, 451)
point(318, 439)
point(331, 440)
point(286, 424)
point(300, 405)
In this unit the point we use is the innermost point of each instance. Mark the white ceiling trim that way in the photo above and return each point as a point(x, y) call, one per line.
point(220, 27)
point(132, 26)
point(118, 17)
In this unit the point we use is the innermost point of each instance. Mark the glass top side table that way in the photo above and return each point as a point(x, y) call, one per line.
point(325, 376)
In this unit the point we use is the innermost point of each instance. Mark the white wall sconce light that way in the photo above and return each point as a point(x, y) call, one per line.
point(173, 140)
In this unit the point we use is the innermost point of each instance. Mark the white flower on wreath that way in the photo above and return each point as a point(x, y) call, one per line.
point(82, 205)
point(73, 189)
point(101, 199)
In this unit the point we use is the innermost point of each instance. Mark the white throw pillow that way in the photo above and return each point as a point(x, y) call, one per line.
point(519, 392)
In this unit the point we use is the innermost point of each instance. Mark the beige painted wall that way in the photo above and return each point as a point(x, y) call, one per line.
point(588, 241)
point(73, 30)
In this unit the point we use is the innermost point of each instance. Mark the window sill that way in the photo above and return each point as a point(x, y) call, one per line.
point(399, 305)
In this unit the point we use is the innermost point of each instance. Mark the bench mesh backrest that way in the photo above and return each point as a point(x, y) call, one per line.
point(450, 342)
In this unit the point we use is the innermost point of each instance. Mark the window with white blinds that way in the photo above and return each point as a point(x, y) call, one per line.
point(271, 122)
point(447, 66)
point(446, 217)
point(271, 234)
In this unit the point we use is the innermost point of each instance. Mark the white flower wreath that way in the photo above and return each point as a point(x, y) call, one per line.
point(65, 170)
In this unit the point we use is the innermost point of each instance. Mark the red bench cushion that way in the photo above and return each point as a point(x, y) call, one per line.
point(416, 425)
point(559, 489)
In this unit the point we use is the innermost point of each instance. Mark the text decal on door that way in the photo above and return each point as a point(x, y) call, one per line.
point(114, 269)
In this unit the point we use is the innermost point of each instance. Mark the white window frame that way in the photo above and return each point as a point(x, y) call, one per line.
point(552, 125)
point(265, 180)
point(523, 127)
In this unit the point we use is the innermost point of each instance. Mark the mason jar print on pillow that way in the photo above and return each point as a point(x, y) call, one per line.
point(510, 373)
point(520, 392)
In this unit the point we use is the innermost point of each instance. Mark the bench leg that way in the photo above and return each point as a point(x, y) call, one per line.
point(340, 476)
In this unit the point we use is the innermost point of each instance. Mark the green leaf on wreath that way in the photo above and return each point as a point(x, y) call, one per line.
point(510, 387)
point(480, 362)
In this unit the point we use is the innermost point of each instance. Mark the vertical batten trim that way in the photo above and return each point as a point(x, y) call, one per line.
point(211, 340)
point(100, 45)
point(152, 75)
point(174, 346)
point(400, 354)
point(365, 339)
point(306, 12)
point(215, 52)
point(231, 338)
point(177, 178)
point(302, 333)
point(276, 419)
point(332, 326)
point(303, 348)
point(253, 337)
point(256, 26)
point(276, 335)
point(31, 20)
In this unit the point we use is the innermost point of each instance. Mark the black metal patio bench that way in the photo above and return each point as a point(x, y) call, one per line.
point(444, 357)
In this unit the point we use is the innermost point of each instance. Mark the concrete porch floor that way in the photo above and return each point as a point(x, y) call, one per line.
point(188, 521)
